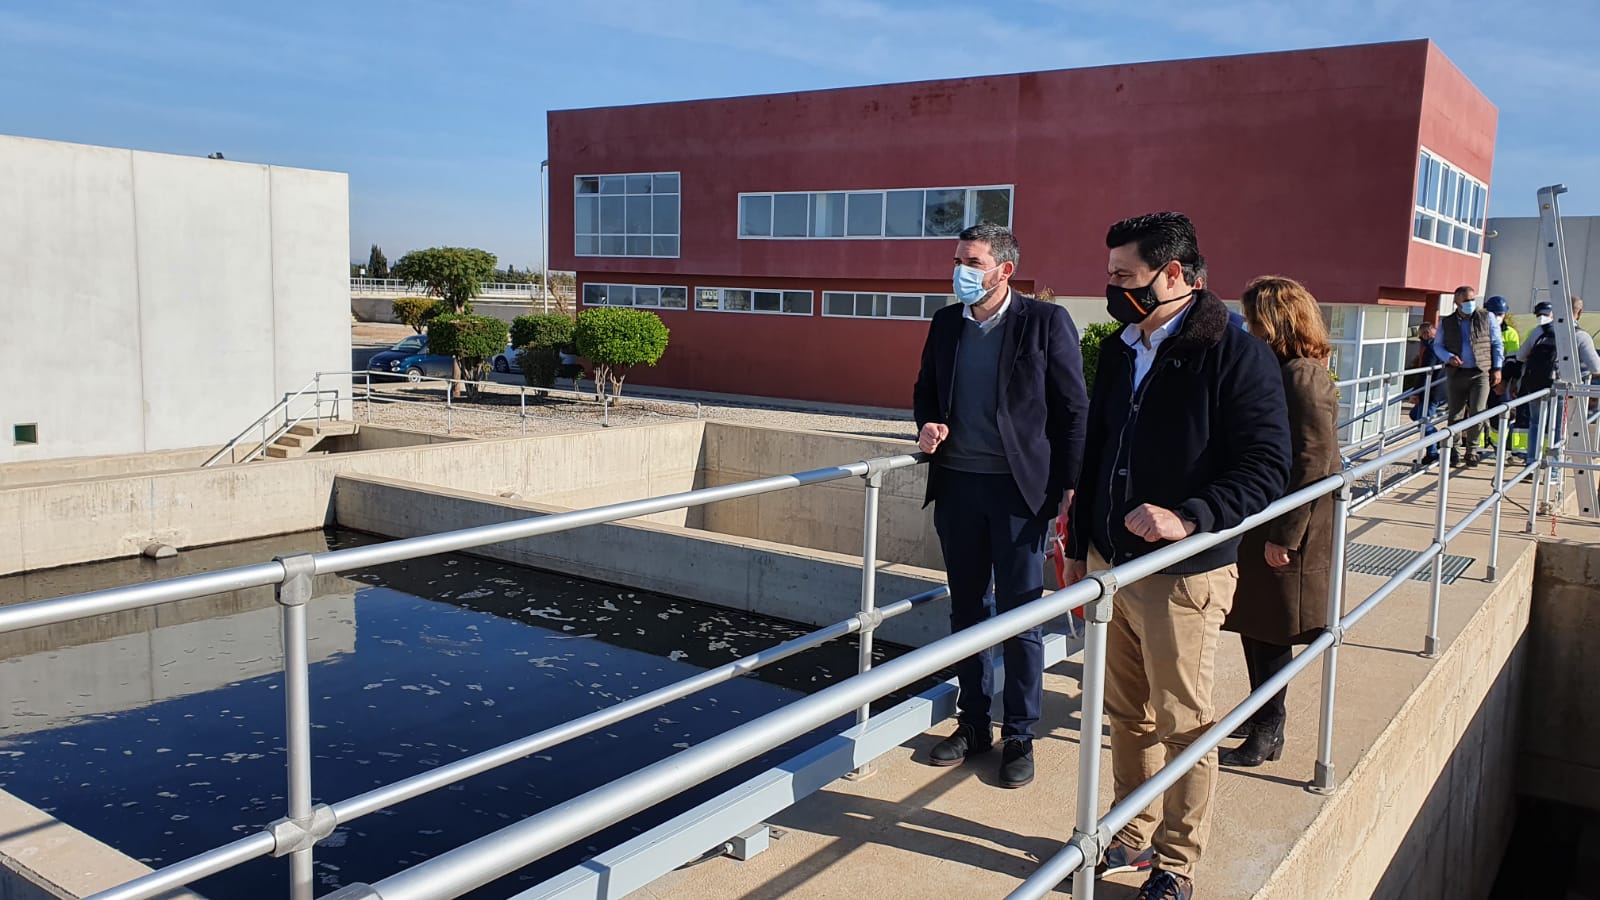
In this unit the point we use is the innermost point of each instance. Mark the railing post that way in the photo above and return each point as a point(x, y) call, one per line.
point(1430, 643)
point(316, 390)
point(292, 594)
point(869, 591)
point(1499, 492)
point(522, 407)
point(1536, 454)
point(1383, 436)
point(1424, 414)
point(1091, 714)
point(449, 404)
point(1323, 777)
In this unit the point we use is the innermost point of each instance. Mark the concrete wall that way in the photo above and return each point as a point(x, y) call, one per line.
point(823, 517)
point(160, 302)
point(60, 524)
point(1517, 269)
point(1428, 808)
point(77, 467)
point(808, 586)
point(1561, 730)
point(43, 858)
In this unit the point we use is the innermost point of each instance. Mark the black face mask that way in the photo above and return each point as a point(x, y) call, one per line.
point(1130, 306)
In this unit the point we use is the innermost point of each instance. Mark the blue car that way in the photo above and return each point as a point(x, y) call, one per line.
point(410, 360)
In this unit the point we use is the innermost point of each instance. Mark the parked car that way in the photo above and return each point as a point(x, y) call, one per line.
point(411, 360)
point(506, 361)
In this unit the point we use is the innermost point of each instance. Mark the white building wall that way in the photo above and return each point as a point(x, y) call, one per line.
point(1517, 270)
point(156, 302)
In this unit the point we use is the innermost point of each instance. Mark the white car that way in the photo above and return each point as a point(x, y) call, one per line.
point(506, 361)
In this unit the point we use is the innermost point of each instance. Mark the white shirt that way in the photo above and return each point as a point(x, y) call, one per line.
point(1144, 356)
point(988, 324)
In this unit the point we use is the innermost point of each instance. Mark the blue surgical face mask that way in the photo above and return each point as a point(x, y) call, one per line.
point(1468, 307)
point(968, 283)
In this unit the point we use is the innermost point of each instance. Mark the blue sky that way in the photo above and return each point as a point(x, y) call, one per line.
point(436, 109)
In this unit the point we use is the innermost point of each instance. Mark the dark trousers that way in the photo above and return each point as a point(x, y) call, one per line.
point(988, 532)
point(1263, 660)
point(1469, 395)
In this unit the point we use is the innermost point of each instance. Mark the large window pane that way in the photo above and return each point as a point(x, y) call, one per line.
point(666, 184)
point(798, 302)
point(665, 246)
point(613, 215)
point(586, 245)
point(904, 307)
point(1483, 210)
point(872, 305)
point(1422, 179)
point(866, 215)
point(613, 184)
point(594, 294)
point(1460, 241)
point(903, 214)
point(1435, 172)
point(945, 213)
point(708, 298)
point(589, 185)
point(638, 184)
point(1422, 225)
point(736, 300)
point(611, 245)
point(992, 206)
point(1472, 242)
point(619, 294)
point(789, 215)
point(1477, 205)
point(827, 215)
point(1463, 200)
point(588, 215)
point(767, 301)
point(1444, 232)
point(755, 215)
point(665, 215)
point(638, 246)
point(675, 297)
point(932, 303)
point(638, 215)
point(839, 304)
point(647, 296)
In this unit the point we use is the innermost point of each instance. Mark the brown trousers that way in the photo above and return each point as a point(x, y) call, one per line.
point(1161, 653)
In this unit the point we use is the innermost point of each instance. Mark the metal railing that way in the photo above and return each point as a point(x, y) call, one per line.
point(271, 429)
point(485, 859)
point(496, 289)
point(451, 406)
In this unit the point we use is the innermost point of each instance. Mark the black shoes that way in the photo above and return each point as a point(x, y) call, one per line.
point(1016, 764)
point(1470, 458)
point(1166, 886)
point(968, 740)
point(1263, 744)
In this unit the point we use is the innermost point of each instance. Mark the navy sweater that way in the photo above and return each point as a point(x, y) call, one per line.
point(1207, 434)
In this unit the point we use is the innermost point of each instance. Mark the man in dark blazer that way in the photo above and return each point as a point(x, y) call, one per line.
point(1000, 404)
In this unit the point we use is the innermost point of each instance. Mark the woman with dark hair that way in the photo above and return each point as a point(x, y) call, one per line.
point(1282, 598)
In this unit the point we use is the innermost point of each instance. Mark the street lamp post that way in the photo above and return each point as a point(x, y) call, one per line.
point(544, 230)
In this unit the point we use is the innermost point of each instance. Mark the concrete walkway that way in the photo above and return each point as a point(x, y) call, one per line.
point(914, 831)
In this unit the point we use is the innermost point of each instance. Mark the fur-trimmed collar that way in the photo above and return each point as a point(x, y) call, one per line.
point(1203, 327)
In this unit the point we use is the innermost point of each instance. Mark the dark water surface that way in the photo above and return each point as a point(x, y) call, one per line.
point(162, 733)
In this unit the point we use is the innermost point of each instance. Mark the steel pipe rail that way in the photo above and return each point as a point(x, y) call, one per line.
point(209, 863)
point(112, 600)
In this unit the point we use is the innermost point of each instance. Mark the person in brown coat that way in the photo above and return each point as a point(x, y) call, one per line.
point(1282, 597)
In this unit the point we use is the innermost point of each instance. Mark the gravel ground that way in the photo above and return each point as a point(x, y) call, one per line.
point(497, 411)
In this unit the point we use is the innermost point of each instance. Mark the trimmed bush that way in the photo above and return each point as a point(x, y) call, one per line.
point(472, 340)
point(418, 311)
point(540, 365)
point(1089, 346)
point(549, 330)
point(616, 339)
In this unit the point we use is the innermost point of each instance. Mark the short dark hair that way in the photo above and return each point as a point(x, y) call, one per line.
point(1464, 289)
point(1161, 238)
point(1002, 243)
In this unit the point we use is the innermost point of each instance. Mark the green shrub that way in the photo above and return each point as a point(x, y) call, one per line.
point(418, 311)
point(550, 330)
point(1089, 346)
point(472, 340)
point(615, 339)
point(539, 365)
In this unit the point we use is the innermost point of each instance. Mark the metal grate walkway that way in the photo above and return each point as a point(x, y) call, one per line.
point(1371, 559)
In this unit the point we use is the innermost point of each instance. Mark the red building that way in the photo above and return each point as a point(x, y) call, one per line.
point(794, 243)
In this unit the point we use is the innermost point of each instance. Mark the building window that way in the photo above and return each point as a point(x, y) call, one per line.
point(646, 296)
point(753, 300)
point(884, 306)
point(25, 434)
point(626, 215)
point(1451, 206)
point(919, 213)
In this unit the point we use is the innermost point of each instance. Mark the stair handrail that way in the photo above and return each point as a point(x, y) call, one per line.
point(264, 417)
point(289, 426)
